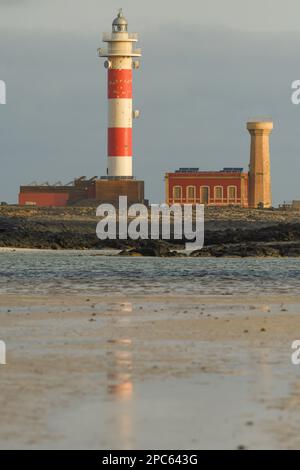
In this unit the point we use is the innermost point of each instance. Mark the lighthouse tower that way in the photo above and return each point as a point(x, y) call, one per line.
point(121, 59)
point(120, 62)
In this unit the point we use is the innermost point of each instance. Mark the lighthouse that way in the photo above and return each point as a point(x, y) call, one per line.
point(121, 57)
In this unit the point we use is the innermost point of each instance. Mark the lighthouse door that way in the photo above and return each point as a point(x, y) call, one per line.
point(204, 195)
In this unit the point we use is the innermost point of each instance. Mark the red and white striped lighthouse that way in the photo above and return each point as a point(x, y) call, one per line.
point(120, 62)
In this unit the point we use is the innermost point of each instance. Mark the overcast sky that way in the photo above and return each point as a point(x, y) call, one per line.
point(207, 68)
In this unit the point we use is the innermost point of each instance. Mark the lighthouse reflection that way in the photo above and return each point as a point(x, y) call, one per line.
point(119, 378)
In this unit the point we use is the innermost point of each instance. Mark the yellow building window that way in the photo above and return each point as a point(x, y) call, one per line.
point(177, 193)
point(204, 195)
point(191, 193)
point(218, 192)
point(232, 191)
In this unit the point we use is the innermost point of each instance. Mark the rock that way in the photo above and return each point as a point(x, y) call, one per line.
point(150, 248)
point(229, 232)
point(131, 252)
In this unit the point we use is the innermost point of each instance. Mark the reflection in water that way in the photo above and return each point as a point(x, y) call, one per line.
point(119, 341)
point(119, 373)
point(126, 307)
point(121, 389)
point(119, 377)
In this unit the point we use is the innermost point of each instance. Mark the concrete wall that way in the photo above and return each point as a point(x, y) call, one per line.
point(108, 191)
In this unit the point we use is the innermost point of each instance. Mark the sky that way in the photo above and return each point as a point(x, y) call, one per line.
point(207, 68)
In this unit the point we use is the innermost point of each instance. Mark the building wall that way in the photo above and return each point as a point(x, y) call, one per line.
point(43, 199)
point(211, 188)
point(58, 196)
point(108, 191)
point(296, 205)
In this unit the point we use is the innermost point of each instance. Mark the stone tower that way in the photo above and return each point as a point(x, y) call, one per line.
point(259, 174)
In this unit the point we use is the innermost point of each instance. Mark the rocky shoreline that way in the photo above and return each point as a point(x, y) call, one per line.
point(230, 232)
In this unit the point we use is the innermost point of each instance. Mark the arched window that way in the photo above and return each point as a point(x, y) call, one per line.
point(232, 193)
point(204, 194)
point(218, 192)
point(177, 193)
point(191, 194)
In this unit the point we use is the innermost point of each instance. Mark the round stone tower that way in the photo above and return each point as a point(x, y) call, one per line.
point(260, 194)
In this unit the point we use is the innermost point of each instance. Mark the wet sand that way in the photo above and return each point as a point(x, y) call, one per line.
point(157, 372)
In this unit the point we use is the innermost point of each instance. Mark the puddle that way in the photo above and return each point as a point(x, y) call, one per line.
point(212, 413)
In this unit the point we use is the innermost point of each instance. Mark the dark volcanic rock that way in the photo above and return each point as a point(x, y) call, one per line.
point(272, 233)
point(228, 232)
point(150, 248)
point(250, 249)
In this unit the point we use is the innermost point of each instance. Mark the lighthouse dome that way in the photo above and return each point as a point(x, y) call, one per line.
point(120, 23)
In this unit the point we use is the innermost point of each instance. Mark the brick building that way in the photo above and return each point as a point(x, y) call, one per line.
point(219, 188)
point(230, 186)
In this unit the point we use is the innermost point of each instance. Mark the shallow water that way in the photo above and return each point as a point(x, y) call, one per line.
point(76, 272)
point(134, 378)
point(123, 421)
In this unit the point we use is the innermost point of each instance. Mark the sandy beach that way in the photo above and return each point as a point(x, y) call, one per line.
point(105, 372)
